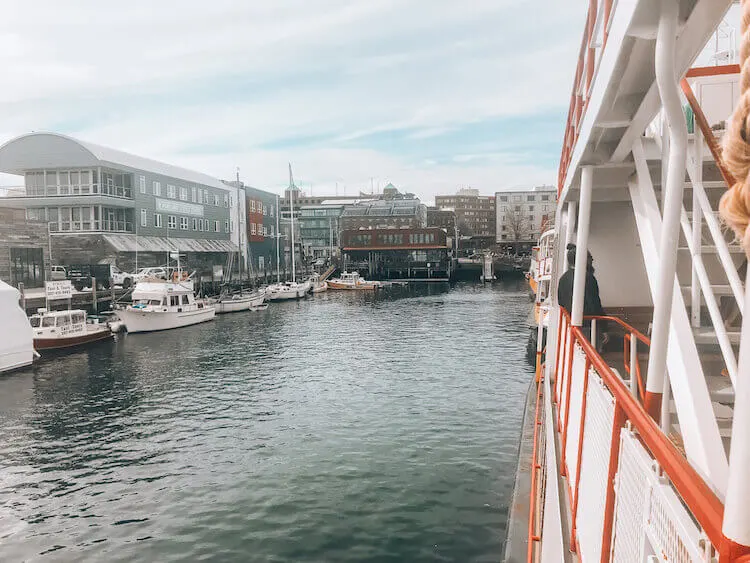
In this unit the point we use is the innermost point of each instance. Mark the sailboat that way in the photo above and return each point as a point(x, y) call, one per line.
point(243, 301)
point(291, 289)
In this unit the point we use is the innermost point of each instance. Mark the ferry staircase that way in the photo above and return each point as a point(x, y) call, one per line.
point(638, 449)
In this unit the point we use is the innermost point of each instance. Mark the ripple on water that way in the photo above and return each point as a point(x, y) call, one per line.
point(344, 427)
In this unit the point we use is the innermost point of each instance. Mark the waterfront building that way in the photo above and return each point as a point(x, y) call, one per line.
point(393, 211)
point(101, 204)
point(523, 215)
point(475, 214)
point(443, 218)
point(262, 211)
point(24, 249)
point(398, 253)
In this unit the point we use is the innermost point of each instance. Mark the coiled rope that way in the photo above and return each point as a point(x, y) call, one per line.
point(735, 203)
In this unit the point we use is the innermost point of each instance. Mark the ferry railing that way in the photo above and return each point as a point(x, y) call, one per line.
point(605, 432)
point(593, 43)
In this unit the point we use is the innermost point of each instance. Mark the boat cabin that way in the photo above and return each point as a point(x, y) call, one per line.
point(165, 296)
point(55, 323)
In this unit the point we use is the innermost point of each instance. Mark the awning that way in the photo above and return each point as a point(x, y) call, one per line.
point(131, 243)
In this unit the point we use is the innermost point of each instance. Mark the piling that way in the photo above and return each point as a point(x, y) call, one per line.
point(94, 307)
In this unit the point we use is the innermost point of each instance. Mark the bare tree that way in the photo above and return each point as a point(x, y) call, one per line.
point(518, 225)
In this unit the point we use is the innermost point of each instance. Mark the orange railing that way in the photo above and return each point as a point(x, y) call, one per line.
point(582, 83)
point(702, 502)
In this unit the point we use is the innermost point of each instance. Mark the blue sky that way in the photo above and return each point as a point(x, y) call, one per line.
point(431, 95)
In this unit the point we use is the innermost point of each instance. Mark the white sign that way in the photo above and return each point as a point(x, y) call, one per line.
point(58, 289)
point(169, 206)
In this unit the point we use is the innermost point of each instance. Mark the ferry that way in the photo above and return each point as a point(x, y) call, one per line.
point(162, 305)
point(55, 330)
point(353, 282)
point(634, 444)
point(16, 334)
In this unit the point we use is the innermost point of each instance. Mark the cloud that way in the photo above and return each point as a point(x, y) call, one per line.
point(401, 90)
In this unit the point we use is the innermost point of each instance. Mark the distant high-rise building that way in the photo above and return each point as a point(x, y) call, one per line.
point(523, 215)
point(475, 214)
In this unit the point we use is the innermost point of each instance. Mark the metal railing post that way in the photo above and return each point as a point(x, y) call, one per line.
point(582, 240)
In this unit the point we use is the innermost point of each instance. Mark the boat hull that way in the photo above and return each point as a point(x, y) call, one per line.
point(337, 286)
point(72, 341)
point(242, 304)
point(151, 321)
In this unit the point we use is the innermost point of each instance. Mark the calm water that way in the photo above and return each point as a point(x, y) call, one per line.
point(346, 427)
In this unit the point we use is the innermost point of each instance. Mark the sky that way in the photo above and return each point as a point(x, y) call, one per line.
point(431, 95)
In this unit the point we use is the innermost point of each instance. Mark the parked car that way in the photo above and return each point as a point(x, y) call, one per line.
point(58, 273)
point(121, 278)
point(81, 275)
point(157, 272)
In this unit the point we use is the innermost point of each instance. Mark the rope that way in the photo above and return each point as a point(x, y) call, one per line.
point(735, 203)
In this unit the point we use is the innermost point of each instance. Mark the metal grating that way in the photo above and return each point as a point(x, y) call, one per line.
point(597, 436)
point(673, 534)
point(631, 495)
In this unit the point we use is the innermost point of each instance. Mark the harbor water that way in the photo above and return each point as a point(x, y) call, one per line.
point(345, 427)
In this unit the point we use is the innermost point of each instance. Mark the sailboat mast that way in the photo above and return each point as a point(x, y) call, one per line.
point(291, 213)
point(278, 236)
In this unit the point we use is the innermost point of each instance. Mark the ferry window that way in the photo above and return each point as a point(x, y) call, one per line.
point(174, 300)
point(48, 321)
point(142, 184)
point(34, 322)
point(155, 302)
point(185, 300)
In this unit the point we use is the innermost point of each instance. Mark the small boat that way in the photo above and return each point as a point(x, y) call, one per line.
point(352, 281)
point(54, 330)
point(16, 336)
point(287, 290)
point(239, 301)
point(162, 305)
point(317, 285)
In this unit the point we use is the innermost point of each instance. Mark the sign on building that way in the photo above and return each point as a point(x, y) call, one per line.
point(169, 206)
point(61, 289)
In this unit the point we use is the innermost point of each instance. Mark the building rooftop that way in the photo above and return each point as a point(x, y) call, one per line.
point(53, 150)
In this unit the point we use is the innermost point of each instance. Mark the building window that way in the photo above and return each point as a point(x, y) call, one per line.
point(200, 195)
point(271, 213)
point(518, 208)
point(216, 226)
point(504, 237)
point(171, 191)
point(545, 198)
point(259, 230)
point(252, 205)
point(530, 198)
point(144, 218)
point(265, 233)
point(195, 224)
point(226, 226)
point(531, 208)
point(226, 200)
point(184, 223)
point(265, 209)
point(27, 266)
point(157, 220)
point(252, 228)
point(200, 225)
point(231, 226)
point(503, 198)
point(216, 200)
point(172, 222)
point(157, 188)
point(142, 183)
point(194, 194)
point(183, 193)
point(206, 197)
point(231, 202)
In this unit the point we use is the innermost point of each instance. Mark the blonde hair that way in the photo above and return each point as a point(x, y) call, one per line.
point(735, 203)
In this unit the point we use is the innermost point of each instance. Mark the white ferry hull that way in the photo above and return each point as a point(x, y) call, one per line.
point(151, 321)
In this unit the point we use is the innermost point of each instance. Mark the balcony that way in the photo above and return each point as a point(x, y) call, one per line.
point(94, 226)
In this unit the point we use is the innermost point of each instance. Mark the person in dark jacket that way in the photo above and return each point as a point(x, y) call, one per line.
point(592, 303)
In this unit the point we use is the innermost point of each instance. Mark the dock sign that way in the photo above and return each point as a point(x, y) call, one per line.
point(60, 289)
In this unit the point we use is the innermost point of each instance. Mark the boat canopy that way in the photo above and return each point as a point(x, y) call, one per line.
point(16, 334)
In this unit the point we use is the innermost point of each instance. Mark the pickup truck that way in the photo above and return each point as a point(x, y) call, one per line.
point(80, 276)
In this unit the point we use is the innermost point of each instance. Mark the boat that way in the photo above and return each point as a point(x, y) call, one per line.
point(16, 334)
point(540, 266)
point(231, 303)
point(55, 330)
point(318, 285)
point(282, 291)
point(163, 305)
point(635, 442)
point(351, 281)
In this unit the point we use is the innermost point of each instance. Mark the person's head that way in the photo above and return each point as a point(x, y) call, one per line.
point(571, 248)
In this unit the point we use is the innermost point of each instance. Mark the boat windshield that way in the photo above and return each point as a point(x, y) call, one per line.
point(48, 321)
point(35, 322)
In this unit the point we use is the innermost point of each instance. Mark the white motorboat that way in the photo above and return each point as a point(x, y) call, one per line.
point(161, 305)
point(316, 285)
point(54, 330)
point(16, 335)
point(352, 281)
point(239, 302)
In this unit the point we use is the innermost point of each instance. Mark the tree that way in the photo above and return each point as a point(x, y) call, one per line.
point(518, 225)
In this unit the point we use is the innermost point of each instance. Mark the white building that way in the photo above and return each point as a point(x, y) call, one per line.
point(522, 215)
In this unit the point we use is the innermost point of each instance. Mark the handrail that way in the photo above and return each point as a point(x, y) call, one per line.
point(708, 134)
point(700, 499)
point(642, 337)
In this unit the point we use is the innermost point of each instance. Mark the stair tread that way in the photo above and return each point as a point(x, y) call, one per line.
point(706, 335)
point(718, 289)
